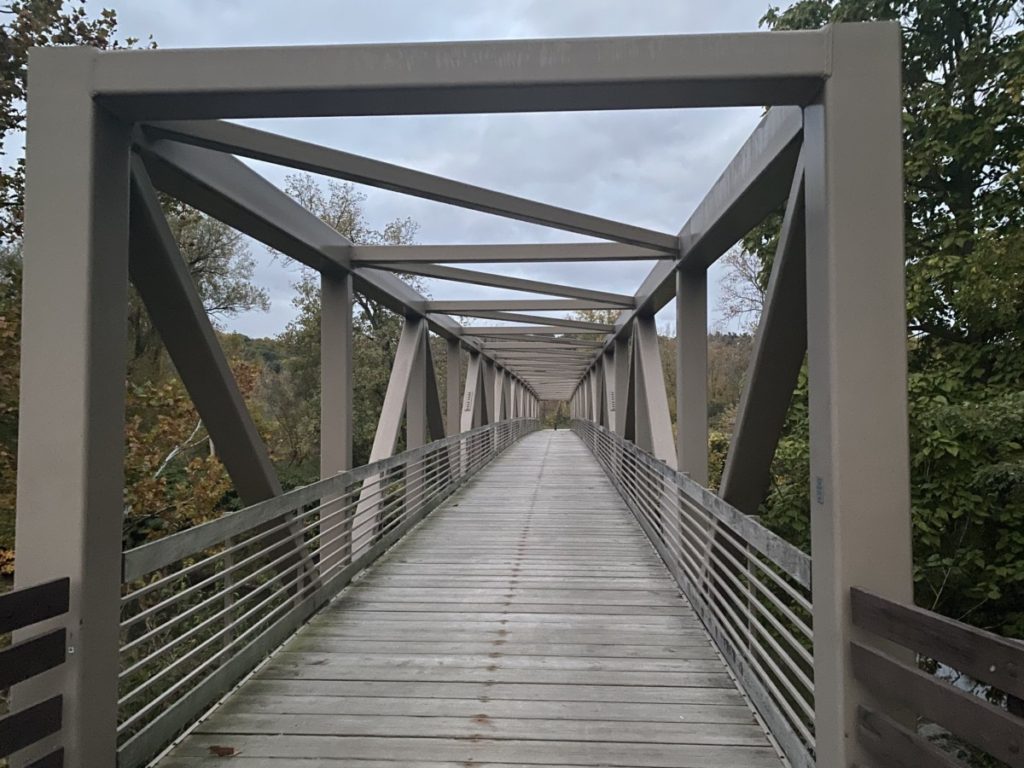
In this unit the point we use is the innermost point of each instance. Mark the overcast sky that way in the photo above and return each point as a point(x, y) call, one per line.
point(649, 168)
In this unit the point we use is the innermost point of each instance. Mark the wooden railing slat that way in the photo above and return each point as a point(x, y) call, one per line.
point(24, 728)
point(977, 722)
point(31, 657)
point(895, 746)
point(30, 605)
point(983, 655)
point(53, 760)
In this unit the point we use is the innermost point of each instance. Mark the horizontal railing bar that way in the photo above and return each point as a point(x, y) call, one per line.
point(151, 556)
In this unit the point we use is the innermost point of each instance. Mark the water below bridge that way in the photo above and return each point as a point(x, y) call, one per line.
point(526, 622)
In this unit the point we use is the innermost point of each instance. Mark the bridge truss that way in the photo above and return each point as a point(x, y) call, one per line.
point(107, 131)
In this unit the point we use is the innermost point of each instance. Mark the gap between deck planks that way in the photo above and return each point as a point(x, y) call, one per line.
point(527, 622)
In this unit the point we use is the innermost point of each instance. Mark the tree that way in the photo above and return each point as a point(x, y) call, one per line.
point(294, 395)
point(963, 77)
point(31, 23)
point(742, 288)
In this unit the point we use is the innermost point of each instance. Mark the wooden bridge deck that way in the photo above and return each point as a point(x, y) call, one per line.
point(527, 622)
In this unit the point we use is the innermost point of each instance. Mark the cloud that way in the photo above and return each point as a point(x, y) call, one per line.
point(649, 168)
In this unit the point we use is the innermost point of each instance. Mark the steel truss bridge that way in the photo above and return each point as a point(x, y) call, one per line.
point(495, 594)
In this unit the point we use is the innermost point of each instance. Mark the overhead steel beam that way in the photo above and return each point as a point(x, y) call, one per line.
point(510, 283)
point(512, 305)
point(313, 158)
point(483, 254)
point(231, 192)
point(540, 342)
point(653, 72)
point(779, 347)
point(520, 330)
point(516, 317)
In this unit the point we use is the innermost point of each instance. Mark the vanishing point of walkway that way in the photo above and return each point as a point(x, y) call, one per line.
point(526, 622)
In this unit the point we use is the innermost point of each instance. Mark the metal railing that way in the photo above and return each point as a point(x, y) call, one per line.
point(751, 589)
point(201, 608)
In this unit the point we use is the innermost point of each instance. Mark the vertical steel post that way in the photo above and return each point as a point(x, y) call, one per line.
point(621, 359)
point(71, 427)
point(856, 321)
point(335, 403)
point(453, 414)
point(335, 373)
point(692, 373)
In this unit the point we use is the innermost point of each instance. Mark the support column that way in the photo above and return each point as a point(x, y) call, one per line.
point(335, 406)
point(692, 373)
point(856, 322)
point(335, 374)
point(453, 415)
point(621, 379)
point(71, 427)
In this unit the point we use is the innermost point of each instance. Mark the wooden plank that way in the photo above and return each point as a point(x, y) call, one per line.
point(503, 709)
point(23, 607)
point(524, 623)
point(977, 722)
point(480, 750)
point(983, 655)
point(897, 747)
point(486, 692)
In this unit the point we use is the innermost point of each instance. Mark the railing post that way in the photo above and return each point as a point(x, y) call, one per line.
point(71, 430)
point(856, 321)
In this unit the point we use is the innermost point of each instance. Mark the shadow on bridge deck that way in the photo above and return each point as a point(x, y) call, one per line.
point(527, 621)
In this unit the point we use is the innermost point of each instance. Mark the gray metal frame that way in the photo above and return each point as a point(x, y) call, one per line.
point(107, 128)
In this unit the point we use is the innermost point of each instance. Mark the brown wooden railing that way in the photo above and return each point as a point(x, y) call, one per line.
point(908, 693)
point(28, 657)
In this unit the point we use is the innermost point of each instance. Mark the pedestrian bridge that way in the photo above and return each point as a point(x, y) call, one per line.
point(527, 620)
point(483, 592)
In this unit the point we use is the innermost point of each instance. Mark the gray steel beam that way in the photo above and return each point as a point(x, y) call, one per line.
point(228, 190)
point(335, 374)
point(71, 404)
point(774, 368)
point(313, 158)
point(440, 78)
point(857, 358)
point(453, 378)
point(335, 404)
point(651, 397)
point(511, 283)
point(473, 411)
point(516, 317)
point(494, 254)
point(513, 305)
point(692, 373)
point(521, 330)
point(176, 310)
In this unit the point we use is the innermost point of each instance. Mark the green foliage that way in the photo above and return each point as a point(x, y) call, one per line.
point(31, 23)
point(964, 141)
point(292, 396)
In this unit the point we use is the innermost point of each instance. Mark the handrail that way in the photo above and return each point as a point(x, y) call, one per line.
point(750, 587)
point(202, 607)
point(28, 657)
point(897, 682)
